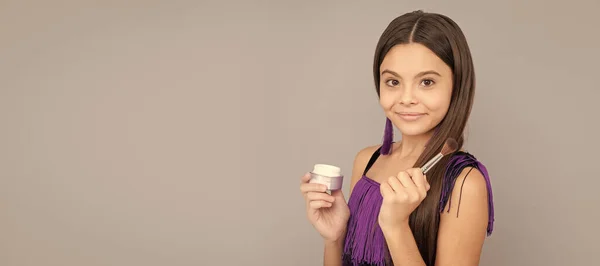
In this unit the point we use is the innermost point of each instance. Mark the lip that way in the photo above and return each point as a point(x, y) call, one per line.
point(410, 116)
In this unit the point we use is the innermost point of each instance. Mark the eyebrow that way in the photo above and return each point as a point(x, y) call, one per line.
point(420, 74)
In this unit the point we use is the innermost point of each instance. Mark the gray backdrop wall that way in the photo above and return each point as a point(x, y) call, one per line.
point(175, 133)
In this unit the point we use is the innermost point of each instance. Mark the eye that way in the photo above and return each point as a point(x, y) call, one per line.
point(392, 82)
point(427, 83)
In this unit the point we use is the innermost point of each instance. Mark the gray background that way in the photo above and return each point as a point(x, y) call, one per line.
point(173, 133)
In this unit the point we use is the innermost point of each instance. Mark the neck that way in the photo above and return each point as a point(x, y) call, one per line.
point(412, 146)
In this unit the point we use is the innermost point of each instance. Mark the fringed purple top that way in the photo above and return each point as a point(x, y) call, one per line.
point(365, 243)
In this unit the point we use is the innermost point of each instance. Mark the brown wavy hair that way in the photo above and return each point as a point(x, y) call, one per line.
point(444, 37)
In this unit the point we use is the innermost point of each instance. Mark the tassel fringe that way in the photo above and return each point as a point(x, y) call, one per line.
point(388, 137)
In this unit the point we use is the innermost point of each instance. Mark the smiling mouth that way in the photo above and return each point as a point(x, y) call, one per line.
point(411, 113)
point(410, 116)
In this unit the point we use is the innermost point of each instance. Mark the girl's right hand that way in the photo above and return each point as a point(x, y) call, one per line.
point(329, 214)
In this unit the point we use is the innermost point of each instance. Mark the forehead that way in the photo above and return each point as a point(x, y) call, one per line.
point(412, 58)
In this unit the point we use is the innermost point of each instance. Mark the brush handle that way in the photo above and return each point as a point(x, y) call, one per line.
point(425, 168)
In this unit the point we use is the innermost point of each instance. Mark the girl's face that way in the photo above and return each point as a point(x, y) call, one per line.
point(415, 88)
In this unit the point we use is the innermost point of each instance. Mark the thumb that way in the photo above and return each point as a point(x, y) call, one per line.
point(338, 195)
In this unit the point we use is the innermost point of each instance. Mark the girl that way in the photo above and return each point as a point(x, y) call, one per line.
point(395, 215)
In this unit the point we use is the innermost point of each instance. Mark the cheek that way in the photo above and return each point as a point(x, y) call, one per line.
point(438, 104)
point(386, 100)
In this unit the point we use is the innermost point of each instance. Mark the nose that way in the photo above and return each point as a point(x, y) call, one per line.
point(407, 97)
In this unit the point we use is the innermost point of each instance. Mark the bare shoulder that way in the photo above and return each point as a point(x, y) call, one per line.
point(469, 194)
point(364, 154)
point(360, 162)
point(464, 221)
point(467, 182)
point(473, 185)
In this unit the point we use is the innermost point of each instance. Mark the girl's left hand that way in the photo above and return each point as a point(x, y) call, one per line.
point(401, 196)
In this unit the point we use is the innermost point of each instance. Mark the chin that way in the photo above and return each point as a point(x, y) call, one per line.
point(412, 131)
point(416, 129)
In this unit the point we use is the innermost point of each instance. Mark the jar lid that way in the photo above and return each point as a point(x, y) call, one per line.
point(327, 170)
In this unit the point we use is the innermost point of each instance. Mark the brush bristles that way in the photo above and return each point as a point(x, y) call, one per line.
point(450, 146)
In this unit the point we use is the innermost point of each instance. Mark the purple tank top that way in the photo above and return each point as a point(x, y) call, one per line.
point(365, 244)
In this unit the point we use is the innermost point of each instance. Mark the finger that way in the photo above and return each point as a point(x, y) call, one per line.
point(406, 181)
point(311, 196)
point(410, 189)
point(386, 190)
point(419, 179)
point(317, 204)
point(395, 184)
point(425, 181)
point(305, 178)
point(312, 187)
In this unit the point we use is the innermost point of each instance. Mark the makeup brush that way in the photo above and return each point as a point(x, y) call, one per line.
point(450, 146)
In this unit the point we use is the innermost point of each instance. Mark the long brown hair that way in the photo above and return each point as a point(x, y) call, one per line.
point(444, 37)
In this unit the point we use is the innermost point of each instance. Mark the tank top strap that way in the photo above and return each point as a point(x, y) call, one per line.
point(374, 157)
